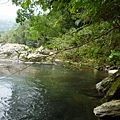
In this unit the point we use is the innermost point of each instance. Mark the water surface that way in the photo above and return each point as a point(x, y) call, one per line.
point(47, 92)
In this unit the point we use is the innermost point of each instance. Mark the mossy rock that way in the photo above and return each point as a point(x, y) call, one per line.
point(113, 92)
point(106, 83)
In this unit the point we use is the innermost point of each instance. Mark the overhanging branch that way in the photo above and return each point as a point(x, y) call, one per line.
point(89, 41)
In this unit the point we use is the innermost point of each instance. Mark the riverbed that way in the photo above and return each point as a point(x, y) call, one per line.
point(47, 92)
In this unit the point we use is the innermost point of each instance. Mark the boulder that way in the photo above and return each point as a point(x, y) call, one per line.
point(113, 92)
point(42, 50)
point(109, 109)
point(111, 87)
point(22, 53)
point(13, 51)
point(106, 83)
point(39, 50)
point(33, 57)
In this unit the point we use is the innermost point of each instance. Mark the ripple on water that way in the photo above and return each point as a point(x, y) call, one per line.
point(46, 93)
point(5, 95)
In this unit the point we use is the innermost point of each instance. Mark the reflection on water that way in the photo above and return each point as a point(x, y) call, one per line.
point(47, 92)
point(5, 95)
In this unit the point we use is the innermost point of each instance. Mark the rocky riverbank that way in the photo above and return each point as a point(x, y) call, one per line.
point(22, 53)
point(110, 89)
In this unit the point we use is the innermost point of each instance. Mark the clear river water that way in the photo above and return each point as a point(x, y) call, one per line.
point(47, 92)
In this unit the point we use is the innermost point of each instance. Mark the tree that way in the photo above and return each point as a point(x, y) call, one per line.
point(76, 22)
point(102, 10)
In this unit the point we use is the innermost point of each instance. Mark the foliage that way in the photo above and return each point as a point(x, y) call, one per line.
point(114, 57)
point(80, 30)
point(7, 36)
point(106, 10)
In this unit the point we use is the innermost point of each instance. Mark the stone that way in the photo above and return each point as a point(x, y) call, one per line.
point(13, 51)
point(36, 57)
point(57, 60)
point(113, 92)
point(109, 109)
point(39, 50)
point(22, 53)
point(42, 50)
point(112, 71)
point(106, 83)
point(51, 53)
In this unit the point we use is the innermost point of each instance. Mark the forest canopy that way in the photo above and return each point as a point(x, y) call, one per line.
point(94, 10)
point(86, 30)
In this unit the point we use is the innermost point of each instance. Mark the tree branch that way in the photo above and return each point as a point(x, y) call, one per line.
point(65, 50)
point(89, 41)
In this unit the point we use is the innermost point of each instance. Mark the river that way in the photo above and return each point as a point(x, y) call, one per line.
point(47, 92)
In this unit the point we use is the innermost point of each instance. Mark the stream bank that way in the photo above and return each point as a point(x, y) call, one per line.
point(110, 89)
point(24, 54)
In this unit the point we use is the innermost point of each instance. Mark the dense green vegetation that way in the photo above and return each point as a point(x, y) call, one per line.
point(82, 31)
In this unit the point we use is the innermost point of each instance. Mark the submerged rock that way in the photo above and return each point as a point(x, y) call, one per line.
point(109, 109)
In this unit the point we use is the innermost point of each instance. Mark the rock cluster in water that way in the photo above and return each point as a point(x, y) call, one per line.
point(19, 52)
point(110, 87)
point(13, 51)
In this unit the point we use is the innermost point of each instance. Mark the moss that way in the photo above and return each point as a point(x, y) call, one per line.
point(106, 85)
point(115, 87)
point(108, 82)
point(8, 54)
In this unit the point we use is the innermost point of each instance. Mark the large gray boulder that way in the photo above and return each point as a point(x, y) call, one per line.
point(22, 53)
point(13, 51)
point(109, 109)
